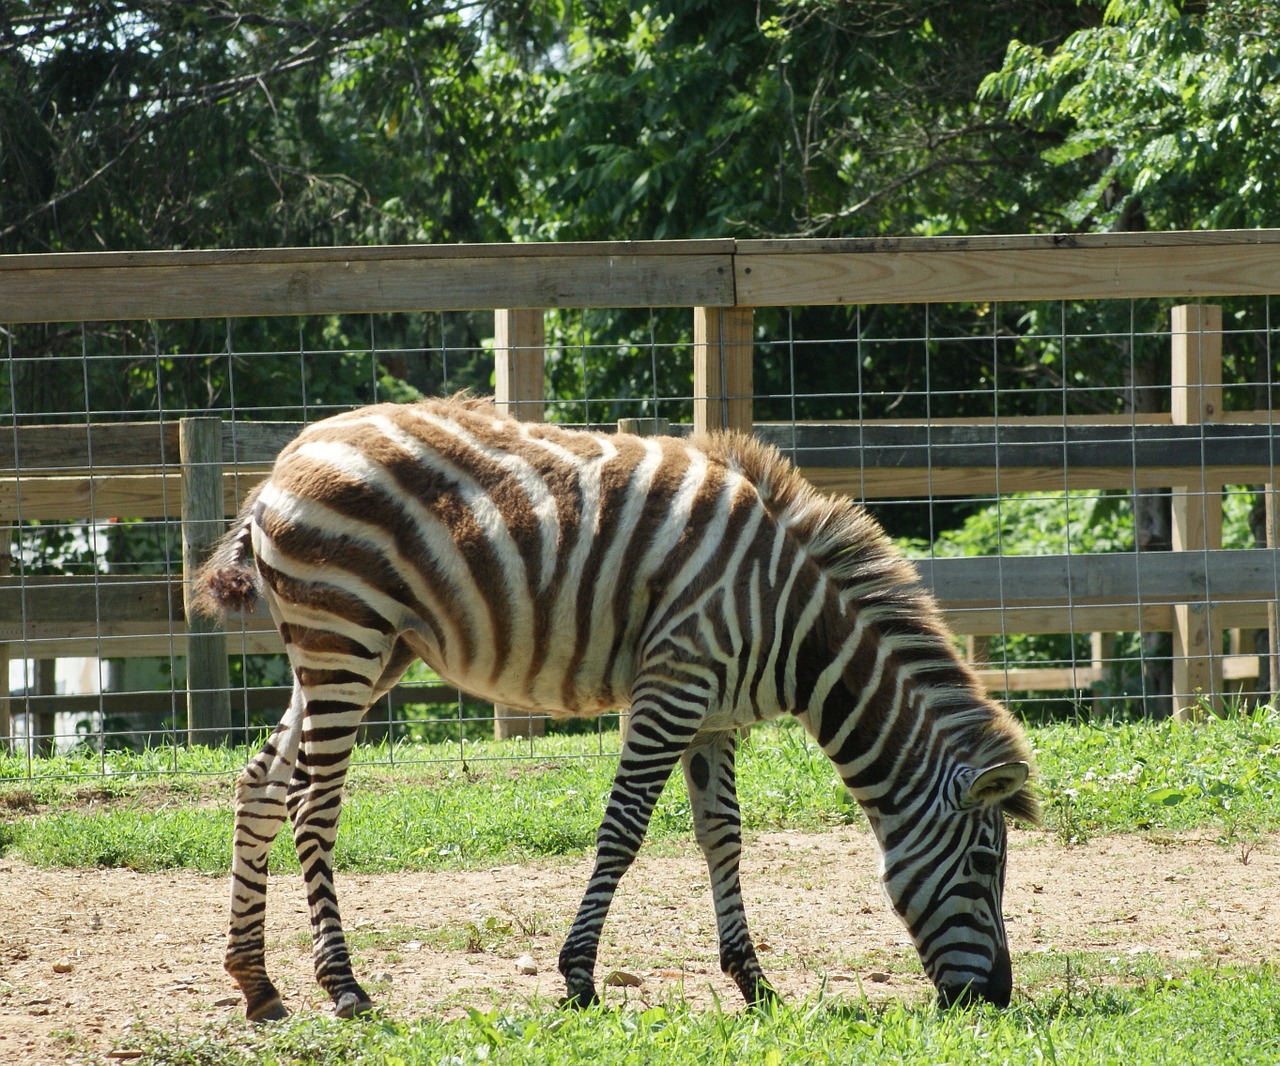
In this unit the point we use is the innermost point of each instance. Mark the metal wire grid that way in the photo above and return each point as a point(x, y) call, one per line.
point(801, 375)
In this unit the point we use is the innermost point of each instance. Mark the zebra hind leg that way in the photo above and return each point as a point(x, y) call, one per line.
point(315, 803)
point(259, 815)
point(713, 796)
point(655, 739)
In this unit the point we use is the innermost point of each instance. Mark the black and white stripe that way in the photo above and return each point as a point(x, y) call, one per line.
point(704, 585)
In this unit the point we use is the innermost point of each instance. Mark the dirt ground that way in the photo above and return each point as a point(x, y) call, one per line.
point(85, 955)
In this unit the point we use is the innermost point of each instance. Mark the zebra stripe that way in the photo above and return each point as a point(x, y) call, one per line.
point(702, 584)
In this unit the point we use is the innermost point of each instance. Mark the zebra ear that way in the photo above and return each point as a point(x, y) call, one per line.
point(994, 784)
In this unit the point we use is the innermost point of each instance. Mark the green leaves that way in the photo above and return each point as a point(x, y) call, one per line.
point(1171, 102)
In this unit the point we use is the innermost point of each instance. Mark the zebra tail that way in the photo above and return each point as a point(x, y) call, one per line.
point(228, 580)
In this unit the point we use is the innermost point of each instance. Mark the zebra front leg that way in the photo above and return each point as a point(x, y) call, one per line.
point(717, 821)
point(655, 739)
point(259, 814)
point(315, 804)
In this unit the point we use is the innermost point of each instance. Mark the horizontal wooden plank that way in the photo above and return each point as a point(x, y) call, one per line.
point(1171, 239)
point(1068, 678)
point(388, 253)
point(250, 446)
point(90, 499)
point(870, 461)
point(1038, 581)
point(978, 482)
point(105, 499)
point(102, 499)
point(122, 641)
point(1001, 446)
point(50, 600)
point(133, 640)
point(354, 286)
point(58, 450)
point(272, 698)
point(1011, 242)
point(247, 282)
point(1065, 271)
point(1132, 418)
point(1040, 678)
point(101, 448)
point(62, 449)
point(1107, 618)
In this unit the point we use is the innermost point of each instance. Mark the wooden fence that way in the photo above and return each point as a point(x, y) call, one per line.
point(197, 469)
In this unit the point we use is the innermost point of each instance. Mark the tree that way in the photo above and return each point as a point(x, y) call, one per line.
point(148, 124)
point(689, 118)
point(1169, 108)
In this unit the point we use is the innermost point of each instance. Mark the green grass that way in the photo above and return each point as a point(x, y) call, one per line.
point(1222, 774)
point(424, 812)
point(1206, 1016)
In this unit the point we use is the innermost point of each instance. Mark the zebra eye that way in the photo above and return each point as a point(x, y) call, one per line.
point(985, 862)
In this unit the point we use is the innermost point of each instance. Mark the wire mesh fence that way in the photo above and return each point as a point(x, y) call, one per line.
point(1087, 484)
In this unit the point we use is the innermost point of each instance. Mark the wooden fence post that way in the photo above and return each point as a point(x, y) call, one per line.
point(42, 724)
point(519, 356)
point(203, 522)
point(722, 374)
point(1273, 607)
point(6, 716)
point(1197, 507)
point(519, 342)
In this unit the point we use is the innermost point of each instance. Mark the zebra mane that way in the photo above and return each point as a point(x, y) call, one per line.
point(838, 534)
point(859, 558)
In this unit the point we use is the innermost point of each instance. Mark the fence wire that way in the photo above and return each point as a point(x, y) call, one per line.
point(1008, 435)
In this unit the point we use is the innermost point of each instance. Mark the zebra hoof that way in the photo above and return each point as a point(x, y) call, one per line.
point(760, 995)
point(580, 1000)
point(353, 1005)
point(271, 1011)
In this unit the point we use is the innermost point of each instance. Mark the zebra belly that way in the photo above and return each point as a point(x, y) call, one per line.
point(542, 692)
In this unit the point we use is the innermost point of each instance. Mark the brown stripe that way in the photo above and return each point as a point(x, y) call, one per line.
point(325, 598)
point(617, 476)
point(700, 524)
point(633, 585)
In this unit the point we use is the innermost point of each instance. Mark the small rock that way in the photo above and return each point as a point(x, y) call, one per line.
point(526, 965)
point(63, 966)
point(380, 978)
point(227, 1001)
point(878, 977)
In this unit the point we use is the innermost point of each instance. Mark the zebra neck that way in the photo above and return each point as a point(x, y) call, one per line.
point(884, 710)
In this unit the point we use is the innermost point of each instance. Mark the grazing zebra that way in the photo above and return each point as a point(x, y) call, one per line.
point(704, 585)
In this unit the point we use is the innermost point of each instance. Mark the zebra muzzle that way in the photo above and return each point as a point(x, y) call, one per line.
point(997, 989)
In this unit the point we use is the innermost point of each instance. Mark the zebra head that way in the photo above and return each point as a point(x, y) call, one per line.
point(944, 876)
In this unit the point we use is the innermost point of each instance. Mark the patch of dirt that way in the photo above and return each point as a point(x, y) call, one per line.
point(85, 954)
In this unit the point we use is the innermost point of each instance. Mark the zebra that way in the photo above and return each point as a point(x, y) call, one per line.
point(702, 584)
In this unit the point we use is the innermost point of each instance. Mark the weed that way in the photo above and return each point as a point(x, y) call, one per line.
point(528, 923)
point(1064, 817)
point(481, 937)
